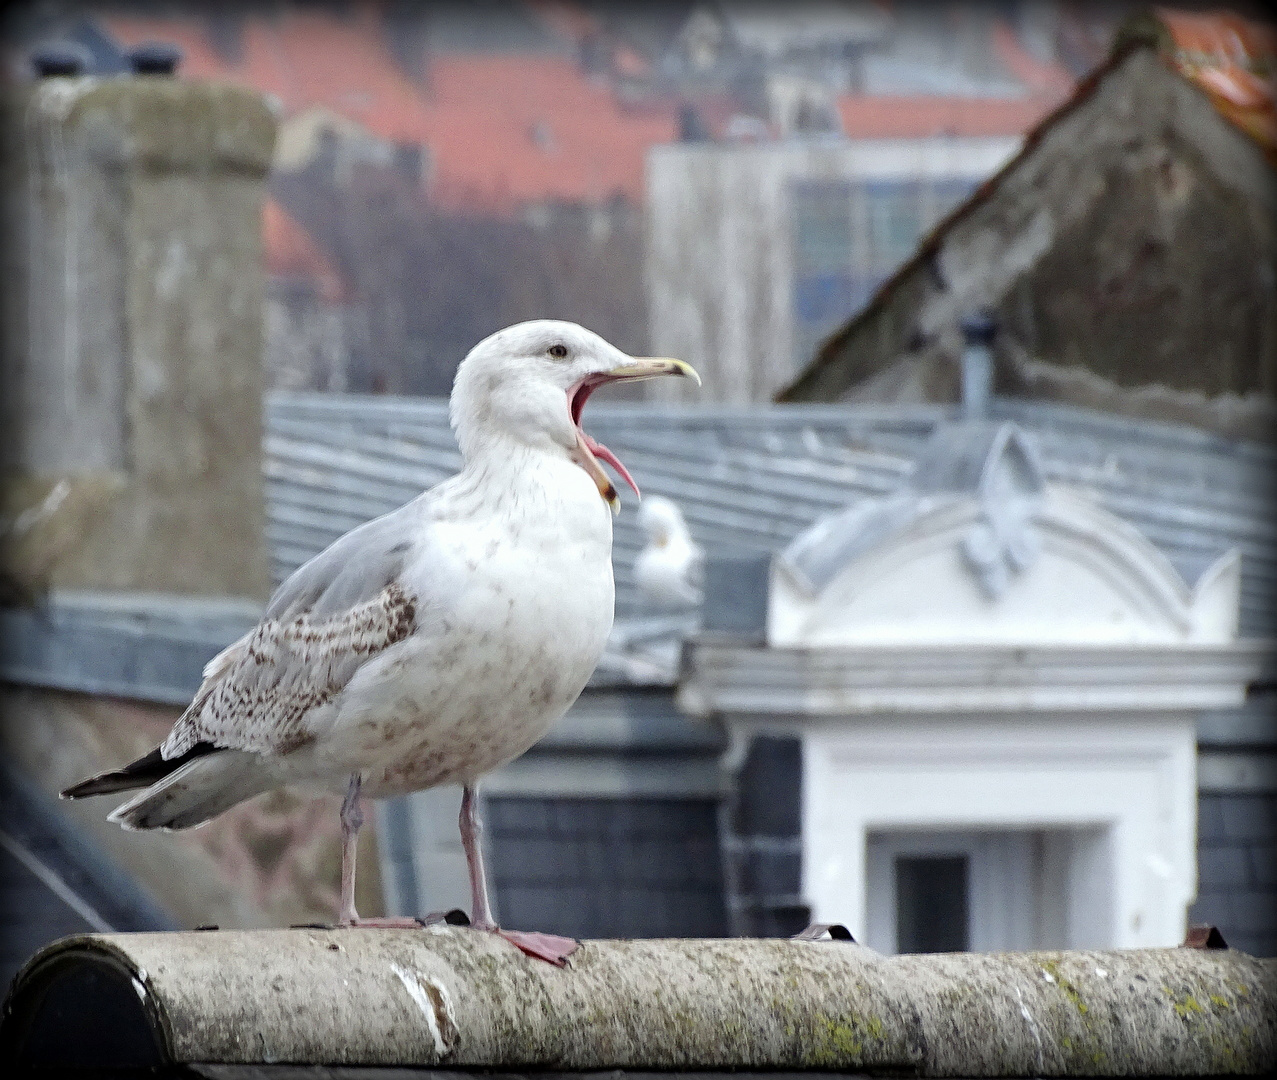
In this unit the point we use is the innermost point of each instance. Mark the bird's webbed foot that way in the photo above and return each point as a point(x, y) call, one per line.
point(549, 947)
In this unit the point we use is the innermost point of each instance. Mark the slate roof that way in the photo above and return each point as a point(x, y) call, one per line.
point(755, 478)
point(55, 880)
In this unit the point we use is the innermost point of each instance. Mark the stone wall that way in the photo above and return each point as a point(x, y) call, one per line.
point(132, 331)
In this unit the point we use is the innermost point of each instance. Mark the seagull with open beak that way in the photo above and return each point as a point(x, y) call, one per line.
point(433, 644)
point(543, 394)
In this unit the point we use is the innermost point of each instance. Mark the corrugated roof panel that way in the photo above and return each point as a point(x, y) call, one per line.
point(757, 477)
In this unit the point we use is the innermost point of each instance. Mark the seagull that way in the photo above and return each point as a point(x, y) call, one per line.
point(430, 645)
point(670, 568)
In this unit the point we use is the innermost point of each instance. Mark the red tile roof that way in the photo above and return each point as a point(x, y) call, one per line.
point(503, 130)
point(1234, 61)
point(525, 129)
point(1045, 79)
point(290, 251)
point(507, 130)
point(866, 116)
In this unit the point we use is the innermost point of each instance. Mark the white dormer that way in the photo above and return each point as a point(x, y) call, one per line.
point(978, 548)
point(994, 681)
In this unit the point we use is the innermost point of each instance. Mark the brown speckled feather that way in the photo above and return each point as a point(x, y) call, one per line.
point(257, 693)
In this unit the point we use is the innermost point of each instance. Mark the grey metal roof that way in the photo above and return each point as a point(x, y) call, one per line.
point(145, 646)
point(56, 880)
point(754, 478)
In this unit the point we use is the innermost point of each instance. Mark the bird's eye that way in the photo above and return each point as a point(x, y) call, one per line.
point(559, 352)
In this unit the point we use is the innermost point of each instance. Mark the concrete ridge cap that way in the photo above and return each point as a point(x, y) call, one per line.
point(453, 997)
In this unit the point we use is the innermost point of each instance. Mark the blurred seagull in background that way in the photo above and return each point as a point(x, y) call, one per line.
point(671, 567)
point(433, 644)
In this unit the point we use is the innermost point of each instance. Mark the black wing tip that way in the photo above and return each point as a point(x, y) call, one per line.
point(95, 785)
point(137, 774)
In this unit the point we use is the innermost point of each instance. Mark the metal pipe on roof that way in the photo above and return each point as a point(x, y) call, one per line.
point(453, 998)
point(978, 331)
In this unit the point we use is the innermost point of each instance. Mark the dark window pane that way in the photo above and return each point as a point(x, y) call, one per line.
point(607, 867)
point(931, 904)
point(895, 225)
point(822, 227)
point(769, 799)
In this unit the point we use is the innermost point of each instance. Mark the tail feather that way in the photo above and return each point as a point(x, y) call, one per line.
point(137, 774)
point(199, 790)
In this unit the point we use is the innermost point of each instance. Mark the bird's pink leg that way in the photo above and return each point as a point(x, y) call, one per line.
point(549, 947)
point(352, 820)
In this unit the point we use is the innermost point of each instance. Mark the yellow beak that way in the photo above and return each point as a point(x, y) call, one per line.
point(649, 367)
point(587, 452)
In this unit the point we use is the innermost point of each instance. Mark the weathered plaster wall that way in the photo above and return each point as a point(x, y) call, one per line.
point(1129, 257)
point(132, 356)
point(272, 861)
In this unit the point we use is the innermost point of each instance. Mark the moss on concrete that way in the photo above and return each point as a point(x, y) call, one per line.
point(735, 1004)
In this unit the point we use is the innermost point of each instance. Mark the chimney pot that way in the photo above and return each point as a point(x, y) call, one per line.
point(978, 331)
point(155, 58)
point(56, 59)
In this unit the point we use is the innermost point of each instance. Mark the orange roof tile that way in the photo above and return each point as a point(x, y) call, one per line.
point(1234, 61)
point(290, 251)
point(866, 116)
point(1043, 78)
point(525, 129)
point(508, 130)
point(502, 130)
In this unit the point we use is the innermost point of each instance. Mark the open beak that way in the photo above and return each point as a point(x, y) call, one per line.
point(588, 452)
point(649, 367)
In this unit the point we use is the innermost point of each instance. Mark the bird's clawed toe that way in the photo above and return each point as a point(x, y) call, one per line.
point(549, 947)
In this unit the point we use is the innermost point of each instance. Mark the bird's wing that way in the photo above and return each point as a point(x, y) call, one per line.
point(352, 569)
point(344, 606)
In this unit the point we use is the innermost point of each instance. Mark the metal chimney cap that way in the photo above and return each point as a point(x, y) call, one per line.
point(155, 58)
point(979, 328)
point(52, 59)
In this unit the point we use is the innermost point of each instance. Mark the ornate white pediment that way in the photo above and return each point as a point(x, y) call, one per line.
point(977, 547)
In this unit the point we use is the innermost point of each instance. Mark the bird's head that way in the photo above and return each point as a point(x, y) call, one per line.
point(527, 384)
point(661, 520)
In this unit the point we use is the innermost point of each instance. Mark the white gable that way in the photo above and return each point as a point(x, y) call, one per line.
point(978, 549)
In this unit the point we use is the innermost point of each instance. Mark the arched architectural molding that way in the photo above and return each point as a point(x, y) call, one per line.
point(977, 548)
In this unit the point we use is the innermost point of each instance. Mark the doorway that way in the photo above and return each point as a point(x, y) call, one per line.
point(982, 891)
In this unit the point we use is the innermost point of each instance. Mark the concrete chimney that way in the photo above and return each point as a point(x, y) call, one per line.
point(132, 335)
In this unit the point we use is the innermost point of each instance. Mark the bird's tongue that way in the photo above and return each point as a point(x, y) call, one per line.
point(590, 451)
point(603, 453)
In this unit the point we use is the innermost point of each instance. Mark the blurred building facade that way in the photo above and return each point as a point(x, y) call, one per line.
point(749, 483)
point(461, 169)
point(1127, 251)
point(757, 252)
